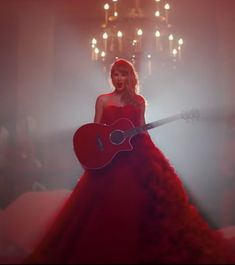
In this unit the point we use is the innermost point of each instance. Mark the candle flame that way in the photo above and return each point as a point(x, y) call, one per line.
point(157, 34)
point(157, 14)
point(180, 42)
point(105, 36)
point(140, 32)
point(167, 6)
point(106, 6)
point(94, 41)
point(119, 34)
point(174, 52)
point(171, 37)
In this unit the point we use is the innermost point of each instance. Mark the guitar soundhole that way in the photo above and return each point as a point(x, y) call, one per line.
point(117, 137)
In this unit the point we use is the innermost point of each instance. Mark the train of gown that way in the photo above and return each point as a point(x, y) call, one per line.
point(24, 222)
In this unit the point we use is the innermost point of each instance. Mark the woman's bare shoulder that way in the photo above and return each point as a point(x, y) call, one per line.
point(140, 99)
point(103, 98)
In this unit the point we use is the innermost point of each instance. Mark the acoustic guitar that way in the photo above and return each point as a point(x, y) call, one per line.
point(96, 145)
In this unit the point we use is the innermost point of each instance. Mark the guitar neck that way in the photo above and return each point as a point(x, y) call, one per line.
point(158, 123)
point(151, 125)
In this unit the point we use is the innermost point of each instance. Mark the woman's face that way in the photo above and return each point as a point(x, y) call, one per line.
point(120, 80)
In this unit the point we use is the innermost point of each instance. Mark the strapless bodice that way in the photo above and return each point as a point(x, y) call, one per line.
point(111, 113)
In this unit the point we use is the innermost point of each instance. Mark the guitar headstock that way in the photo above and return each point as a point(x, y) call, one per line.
point(193, 114)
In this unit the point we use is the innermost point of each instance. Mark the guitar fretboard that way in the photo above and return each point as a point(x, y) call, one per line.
point(134, 131)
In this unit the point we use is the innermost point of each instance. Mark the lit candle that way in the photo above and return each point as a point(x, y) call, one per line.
point(174, 52)
point(134, 42)
point(106, 8)
point(105, 38)
point(103, 54)
point(157, 35)
point(119, 35)
point(171, 38)
point(180, 43)
point(149, 64)
point(167, 7)
point(157, 13)
point(133, 59)
point(115, 6)
point(140, 33)
point(94, 41)
point(96, 53)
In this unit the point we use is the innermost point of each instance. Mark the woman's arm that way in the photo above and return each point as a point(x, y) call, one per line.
point(99, 105)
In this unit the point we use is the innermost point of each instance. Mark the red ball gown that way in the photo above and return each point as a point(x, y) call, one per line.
point(134, 210)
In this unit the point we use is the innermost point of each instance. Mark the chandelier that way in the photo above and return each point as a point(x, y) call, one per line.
point(137, 34)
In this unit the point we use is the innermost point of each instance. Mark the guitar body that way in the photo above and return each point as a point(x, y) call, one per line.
point(95, 145)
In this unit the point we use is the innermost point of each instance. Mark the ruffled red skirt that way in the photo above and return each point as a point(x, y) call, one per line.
point(133, 211)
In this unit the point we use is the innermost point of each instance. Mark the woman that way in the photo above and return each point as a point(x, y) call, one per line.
point(133, 210)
